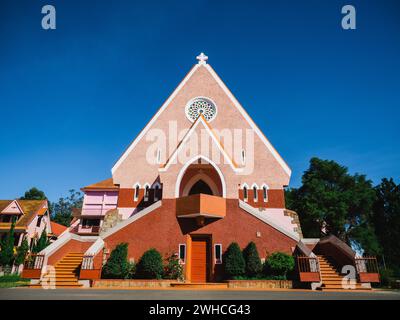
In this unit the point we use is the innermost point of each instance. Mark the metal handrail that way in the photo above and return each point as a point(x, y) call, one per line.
point(366, 264)
point(307, 264)
point(34, 261)
point(87, 262)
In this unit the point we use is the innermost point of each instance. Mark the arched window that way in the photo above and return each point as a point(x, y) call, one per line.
point(156, 188)
point(146, 192)
point(245, 193)
point(265, 193)
point(255, 193)
point(137, 190)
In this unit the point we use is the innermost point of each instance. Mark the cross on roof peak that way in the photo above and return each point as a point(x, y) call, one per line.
point(202, 58)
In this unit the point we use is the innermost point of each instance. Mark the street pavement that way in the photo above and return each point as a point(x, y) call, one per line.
point(108, 294)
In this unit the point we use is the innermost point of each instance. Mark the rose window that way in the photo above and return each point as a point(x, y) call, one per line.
point(200, 106)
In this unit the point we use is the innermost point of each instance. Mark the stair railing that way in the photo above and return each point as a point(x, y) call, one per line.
point(34, 261)
point(87, 262)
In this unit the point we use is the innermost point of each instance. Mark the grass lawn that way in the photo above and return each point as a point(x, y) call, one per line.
point(12, 280)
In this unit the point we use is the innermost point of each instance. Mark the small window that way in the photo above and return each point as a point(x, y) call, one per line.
point(158, 156)
point(255, 191)
point(265, 193)
point(243, 156)
point(136, 196)
point(156, 192)
point(218, 253)
point(39, 221)
point(182, 253)
point(146, 193)
point(245, 195)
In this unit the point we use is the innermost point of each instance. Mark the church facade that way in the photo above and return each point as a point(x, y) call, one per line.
point(199, 176)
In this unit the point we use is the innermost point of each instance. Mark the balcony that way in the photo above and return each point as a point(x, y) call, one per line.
point(200, 205)
point(87, 230)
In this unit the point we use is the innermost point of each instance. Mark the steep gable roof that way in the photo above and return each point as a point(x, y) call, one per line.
point(235, 102)
point(4, 204)
point(31, 208)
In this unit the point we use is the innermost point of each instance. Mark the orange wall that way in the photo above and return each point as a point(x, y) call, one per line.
point(161, 229)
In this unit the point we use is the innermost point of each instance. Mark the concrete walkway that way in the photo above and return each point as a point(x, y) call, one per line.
point(108, 294)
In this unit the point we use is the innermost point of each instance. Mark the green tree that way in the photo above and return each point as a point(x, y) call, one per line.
point(234, 264)
point(331, 201)
point(22, 251)
point(62, 209)
point(279, 264)
point(252, 259)
point(34, 194)
point(150, 265)
point(117, 265)
point(7, 247)
point(386, 217)
point(41, 243)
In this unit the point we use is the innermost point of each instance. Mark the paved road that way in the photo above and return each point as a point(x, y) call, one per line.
point(99, 294)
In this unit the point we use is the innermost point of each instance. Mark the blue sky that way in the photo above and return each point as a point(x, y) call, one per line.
point(72, 99)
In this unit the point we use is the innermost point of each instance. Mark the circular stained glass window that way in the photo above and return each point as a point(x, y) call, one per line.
point(199, 106)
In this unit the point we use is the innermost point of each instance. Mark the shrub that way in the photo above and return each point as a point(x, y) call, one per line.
point(252, 259)
point(279, 264)
point(118, 266)
point(234, 264)
point(22, 251)
point(150, 265)
point(173, 269)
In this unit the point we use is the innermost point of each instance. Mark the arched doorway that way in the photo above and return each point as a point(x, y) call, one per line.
point(200, 176)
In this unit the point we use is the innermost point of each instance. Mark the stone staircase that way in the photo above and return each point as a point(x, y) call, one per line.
point(65, 273)
point(331, 278)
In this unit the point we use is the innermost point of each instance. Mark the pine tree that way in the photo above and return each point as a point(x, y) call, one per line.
point(253, 261)
point(234, 264)
point(22, 251)
point(41, 243)
point(7, 248)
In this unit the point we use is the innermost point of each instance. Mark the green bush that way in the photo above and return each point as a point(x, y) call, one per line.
point(173, 269)
point(150, 265)
point(252, 259)
point(234, 264)
point(10, 278)
point(279, 264)
point(118, 266)
point(386, 277)
point(22, 251)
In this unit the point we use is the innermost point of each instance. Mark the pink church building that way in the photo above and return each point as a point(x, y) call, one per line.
point(199, 176)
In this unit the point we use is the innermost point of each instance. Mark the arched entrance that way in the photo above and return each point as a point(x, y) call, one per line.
point(200, 176)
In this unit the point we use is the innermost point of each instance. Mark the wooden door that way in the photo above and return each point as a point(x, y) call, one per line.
point(200, 259)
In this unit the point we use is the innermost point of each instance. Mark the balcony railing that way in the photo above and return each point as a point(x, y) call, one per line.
point(367, 269)
point(88, 270)
point(200, 205)
point(87, 263)
point(34, 261)
point(86, 229)
point(308, 268)
point(33, 266)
